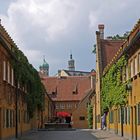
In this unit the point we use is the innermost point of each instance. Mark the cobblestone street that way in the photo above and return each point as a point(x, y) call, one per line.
point(80, 134)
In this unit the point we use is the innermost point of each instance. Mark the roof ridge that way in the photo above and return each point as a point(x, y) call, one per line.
point(6, 35)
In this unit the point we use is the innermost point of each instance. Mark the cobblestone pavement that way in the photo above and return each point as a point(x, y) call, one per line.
point(79, 134)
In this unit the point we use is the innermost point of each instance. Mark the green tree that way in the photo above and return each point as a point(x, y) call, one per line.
point(90, 116)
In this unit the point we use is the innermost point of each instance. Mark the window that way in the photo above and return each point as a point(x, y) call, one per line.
point(119, 115)
point(125, 115)
point(8, 72)
point(139, 61)
point(62, 106)
point(131, 67)
point(127, 74)
point(135, 66)
point(82, 118)
point(111, 117)
point(4, 70)
point(12, 76)
point(128, 115)
point(69, 105)
point(138, 114)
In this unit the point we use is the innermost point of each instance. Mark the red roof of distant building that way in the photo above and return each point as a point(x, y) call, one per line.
point(71, 88)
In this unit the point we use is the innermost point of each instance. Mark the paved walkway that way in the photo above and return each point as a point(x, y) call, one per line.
point(106, 135)
point(79, 134)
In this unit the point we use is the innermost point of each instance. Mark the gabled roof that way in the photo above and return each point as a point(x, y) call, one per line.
point(89, 94)
point(108, 50)
point(6, 37)
point(127, 44)
point(71, 88)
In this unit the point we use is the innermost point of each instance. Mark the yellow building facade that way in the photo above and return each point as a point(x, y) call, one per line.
point(124, 120)
point(13, 109)
point(15, 118)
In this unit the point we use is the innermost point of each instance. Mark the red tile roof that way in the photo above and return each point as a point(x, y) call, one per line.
point(108, 50)
point(63, 88)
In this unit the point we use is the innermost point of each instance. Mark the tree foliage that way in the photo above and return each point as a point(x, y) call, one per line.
point(90, 116)
point(118, 37)
point(94, 49)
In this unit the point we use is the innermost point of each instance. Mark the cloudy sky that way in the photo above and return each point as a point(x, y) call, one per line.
point(55, 28)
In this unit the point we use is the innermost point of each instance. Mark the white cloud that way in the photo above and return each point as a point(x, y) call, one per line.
point(55, 27)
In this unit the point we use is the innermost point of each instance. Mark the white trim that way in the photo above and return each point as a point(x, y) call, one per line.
point(12, 80)
point(4, 70)
point(135, 65)
point(8, 72)
point(131, 69)
point(138, 62)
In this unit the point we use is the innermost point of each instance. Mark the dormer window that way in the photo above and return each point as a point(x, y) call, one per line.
point(53, 93)
point(75, 91)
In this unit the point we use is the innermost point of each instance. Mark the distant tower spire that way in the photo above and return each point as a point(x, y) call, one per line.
point(71, 65)
point(44, 69)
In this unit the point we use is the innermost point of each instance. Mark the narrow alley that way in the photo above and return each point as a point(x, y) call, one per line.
point(79, 134)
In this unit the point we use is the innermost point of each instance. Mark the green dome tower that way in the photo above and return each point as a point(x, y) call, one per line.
point(44, 68)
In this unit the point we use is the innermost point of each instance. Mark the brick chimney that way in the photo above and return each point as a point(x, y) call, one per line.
point(101, 30)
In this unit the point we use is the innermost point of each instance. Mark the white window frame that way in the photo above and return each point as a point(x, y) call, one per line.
point(139, 62)
point(8, 72)
point(12, 76)
point(62, 106)
point(4, 70)
point(131, 68)
point(69, 105)
point(135, 66)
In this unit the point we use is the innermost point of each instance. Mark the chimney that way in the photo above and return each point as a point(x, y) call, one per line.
point(101, 30)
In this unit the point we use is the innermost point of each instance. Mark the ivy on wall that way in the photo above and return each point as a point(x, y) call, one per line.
point(26, 75)
point(90, 116)
point(113, 91)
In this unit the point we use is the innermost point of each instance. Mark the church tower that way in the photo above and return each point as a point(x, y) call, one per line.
point(71, 65)
point(44, 69)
